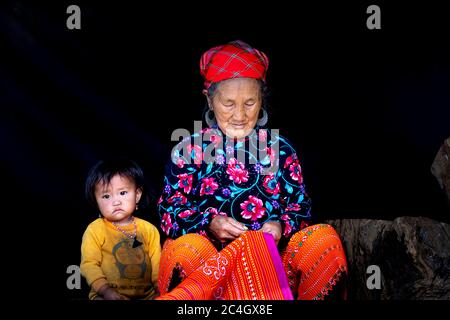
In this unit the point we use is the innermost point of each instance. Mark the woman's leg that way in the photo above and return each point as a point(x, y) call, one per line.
point(180, 257)
point(249, 268)
point(314, 262)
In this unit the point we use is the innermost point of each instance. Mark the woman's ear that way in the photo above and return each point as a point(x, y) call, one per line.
point(205, 92)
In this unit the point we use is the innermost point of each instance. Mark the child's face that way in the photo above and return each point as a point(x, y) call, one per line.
point(117, 200)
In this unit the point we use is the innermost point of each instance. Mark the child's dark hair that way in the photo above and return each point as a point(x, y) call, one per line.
point(105, 170)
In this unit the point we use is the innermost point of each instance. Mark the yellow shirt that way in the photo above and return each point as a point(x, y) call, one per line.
point(107, 257)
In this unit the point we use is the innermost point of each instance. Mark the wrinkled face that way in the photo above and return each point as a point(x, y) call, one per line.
point(236, 104)
point(117, 200)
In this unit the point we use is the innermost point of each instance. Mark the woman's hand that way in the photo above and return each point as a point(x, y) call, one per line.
point(226, 228)
point(274, 228)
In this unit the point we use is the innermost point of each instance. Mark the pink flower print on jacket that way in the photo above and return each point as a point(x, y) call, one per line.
point(180, 163)
point(241, 188)
point(202, 233)
point(271, 184)
point(296, 171)
point(236, 171)
point(253, 208)
point(215, 213)
point(293, 207)
point(185, 213)
point(216, 139)
point(272, 155)
point(196, 153)
point(287, 225)
point(208, 186)
point(185, 182)
point(166, 223)
point(262, 134)
point(177, 199)
point(289, 160)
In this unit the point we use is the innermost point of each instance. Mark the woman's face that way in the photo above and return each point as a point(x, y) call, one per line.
point(236, 104)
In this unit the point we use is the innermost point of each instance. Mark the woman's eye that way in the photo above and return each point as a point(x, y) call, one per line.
point(122, 193)
point(250, 104)
point(105, 196)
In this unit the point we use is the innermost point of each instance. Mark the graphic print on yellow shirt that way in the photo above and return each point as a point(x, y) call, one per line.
point(130, 261)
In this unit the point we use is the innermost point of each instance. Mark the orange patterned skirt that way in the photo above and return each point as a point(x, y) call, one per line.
point(250, 267)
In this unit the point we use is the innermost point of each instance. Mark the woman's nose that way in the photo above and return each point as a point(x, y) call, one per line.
point(239, 114)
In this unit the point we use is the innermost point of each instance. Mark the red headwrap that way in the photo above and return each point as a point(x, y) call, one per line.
point(233, 60)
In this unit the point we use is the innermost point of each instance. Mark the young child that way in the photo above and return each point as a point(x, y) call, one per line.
point(119, 253)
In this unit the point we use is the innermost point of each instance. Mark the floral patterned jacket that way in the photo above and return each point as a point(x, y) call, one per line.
point(234, 184)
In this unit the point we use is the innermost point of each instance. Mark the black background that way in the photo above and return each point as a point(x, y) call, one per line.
point(367, 110)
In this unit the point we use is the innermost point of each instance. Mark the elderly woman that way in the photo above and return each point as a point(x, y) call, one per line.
point(234, 206)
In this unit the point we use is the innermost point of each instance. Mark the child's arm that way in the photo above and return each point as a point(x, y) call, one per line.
point(91, 258)
point(90, 267)
point(154, 253)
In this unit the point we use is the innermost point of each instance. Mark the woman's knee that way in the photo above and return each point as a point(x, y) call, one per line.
point(182, 256)
point(314, 234)
point(323, 227)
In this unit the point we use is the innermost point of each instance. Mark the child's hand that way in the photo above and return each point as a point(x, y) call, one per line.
point(108, 293)
point(112, 294)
